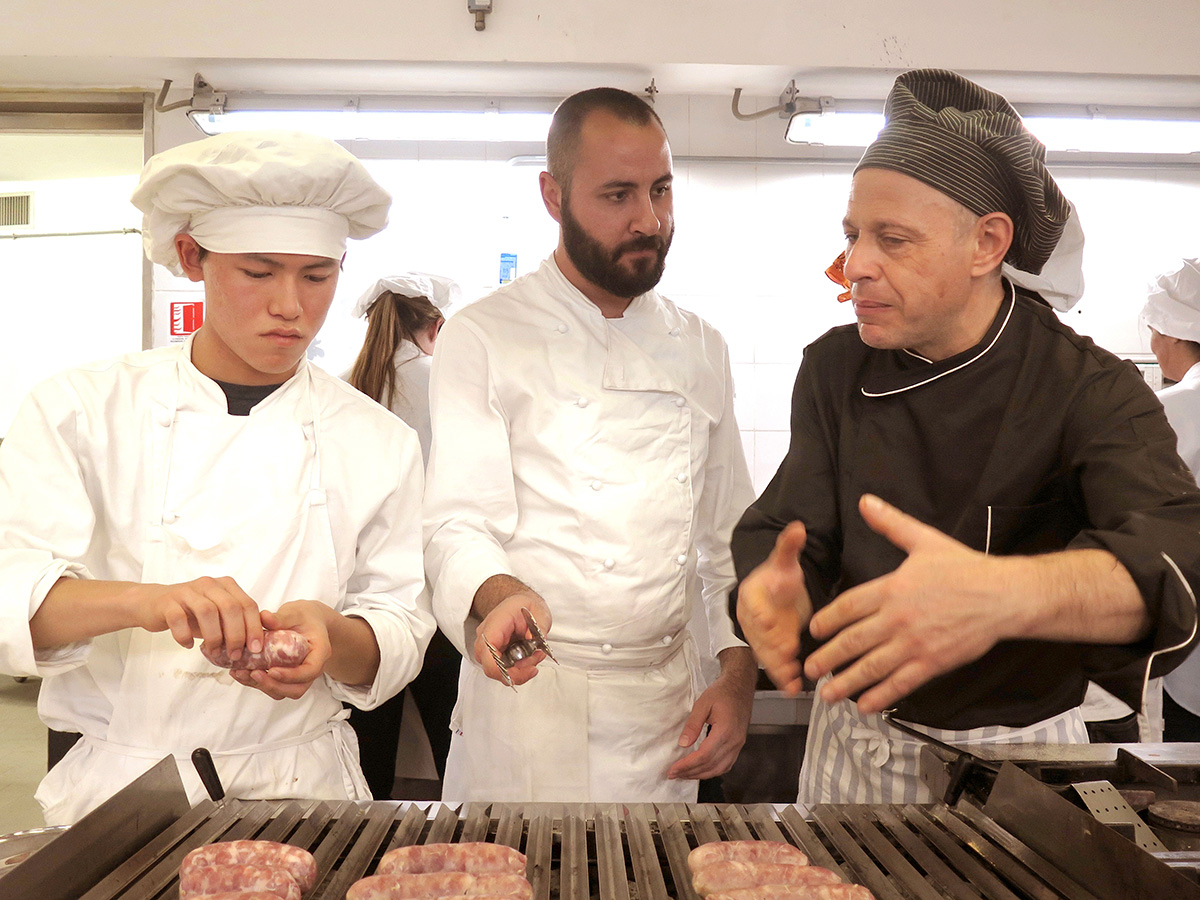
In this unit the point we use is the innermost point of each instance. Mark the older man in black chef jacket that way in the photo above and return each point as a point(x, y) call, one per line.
point(980, 508)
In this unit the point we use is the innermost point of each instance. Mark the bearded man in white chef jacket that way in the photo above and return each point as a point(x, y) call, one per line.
point(1172, 313)
point(214, 489)
point(586, 466)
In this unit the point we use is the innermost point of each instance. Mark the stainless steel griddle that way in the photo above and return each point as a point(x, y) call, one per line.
point(1022, 846)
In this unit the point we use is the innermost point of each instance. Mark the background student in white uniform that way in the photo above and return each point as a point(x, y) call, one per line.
point(214, 489)
point(1172, 313)
point(586, 465)
point(404, 314)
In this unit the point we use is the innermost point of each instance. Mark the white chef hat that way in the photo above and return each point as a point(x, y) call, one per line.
point(1173, 302)
point(439, 290)
point(258, 192)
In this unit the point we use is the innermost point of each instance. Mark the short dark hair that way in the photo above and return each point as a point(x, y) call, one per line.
point(562, 142)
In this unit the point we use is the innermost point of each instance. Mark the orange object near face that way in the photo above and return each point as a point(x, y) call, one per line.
point(837, 274)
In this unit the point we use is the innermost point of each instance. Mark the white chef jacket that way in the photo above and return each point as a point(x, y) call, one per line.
point(1182, 404)
point(89, 473)
point(599, 461)
point(410, 400)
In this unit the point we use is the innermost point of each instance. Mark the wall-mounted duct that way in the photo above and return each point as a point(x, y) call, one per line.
point(16, 210)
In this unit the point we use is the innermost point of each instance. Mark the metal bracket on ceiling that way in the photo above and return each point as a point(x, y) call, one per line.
point(203, 97)
point(480, 8)
point(790, 103)
point(651, 91)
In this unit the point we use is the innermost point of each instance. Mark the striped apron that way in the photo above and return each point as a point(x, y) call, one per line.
point(852, 758)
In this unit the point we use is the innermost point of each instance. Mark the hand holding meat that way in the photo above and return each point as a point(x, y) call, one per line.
point(506, 624)
point(773, 607)
point(214, 610)
point(309, 620)
point(283, 648)
point(944, 606)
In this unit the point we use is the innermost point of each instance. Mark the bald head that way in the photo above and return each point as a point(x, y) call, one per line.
point(563, 140)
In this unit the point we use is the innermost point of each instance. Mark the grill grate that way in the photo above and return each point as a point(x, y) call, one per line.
point(613, 852)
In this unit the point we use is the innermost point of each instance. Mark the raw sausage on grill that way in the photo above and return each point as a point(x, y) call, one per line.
point(196, 881)
point(238, 895)
point(745, 851)
point(729, 876)
point(298, 862)
point(797, 892)
point(439, 884)
point(280, 648)
point(474, 858)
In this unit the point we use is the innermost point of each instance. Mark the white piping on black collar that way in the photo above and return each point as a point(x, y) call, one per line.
point(1012, 303)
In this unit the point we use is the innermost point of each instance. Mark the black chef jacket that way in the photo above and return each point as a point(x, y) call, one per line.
point(1034, 440)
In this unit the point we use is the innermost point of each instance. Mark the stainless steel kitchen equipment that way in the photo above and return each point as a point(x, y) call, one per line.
point(1013, 850)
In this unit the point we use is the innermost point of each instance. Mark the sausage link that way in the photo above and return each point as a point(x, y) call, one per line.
point(238, 895)
point(729, 876)
point(797, 892)
point(745, 851)
point(478, 858)
point(298, 862)
point(280, 648)
point(440, 884)
point(196, 881)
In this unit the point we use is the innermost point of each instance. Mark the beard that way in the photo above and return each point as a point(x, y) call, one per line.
point(602, 266)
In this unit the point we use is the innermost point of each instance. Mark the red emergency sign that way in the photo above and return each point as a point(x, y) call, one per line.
point(186, 317)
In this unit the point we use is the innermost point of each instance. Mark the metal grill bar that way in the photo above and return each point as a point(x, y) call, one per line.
point(573, 867)
point(923, 854)
point(539, 850)
point(1066, 887)
point(362, 852)
point(857, 859)
point(806, 839)
point(1010, 868)
point(610, 854)
point(988, 883)
point(647, 869)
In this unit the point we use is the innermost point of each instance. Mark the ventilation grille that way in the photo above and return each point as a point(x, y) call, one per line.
point(16, 210)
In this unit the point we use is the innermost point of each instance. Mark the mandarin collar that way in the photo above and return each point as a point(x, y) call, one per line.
point(574, 297)
point(903, 370)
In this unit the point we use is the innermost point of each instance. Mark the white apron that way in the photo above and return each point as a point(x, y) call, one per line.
point(852, 758)
point(575, 733)
point(241, 496)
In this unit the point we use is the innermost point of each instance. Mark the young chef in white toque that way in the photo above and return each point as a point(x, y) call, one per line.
point(586, 465)
point(980, 509)
point(211, 490)
point(404, 315)
point(1172, 313)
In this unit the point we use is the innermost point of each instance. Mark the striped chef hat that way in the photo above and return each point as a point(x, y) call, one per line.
point(971, 145)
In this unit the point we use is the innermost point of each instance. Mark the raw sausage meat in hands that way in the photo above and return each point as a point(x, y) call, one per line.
point(282, 648)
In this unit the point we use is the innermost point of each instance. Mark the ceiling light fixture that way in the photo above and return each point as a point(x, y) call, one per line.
point(1169, 132)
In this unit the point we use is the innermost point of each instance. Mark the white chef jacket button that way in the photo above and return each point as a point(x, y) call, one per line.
point(681, 477)
point(596, 485)
point(679, 401)
point(170, 518)
point(609, 563)
point(606, 648)
point(681, 559)
point(582, 401)
point(667, 641)
point(674, 332)
point(164, 419)
point(562, 328)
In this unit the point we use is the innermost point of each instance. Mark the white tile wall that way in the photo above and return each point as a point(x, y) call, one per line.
point(756, 227)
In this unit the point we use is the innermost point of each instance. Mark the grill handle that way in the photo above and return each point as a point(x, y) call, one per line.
point(207, 770)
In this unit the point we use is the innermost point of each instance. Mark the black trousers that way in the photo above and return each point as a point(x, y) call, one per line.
point(1180, 724)
point(434, 691)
